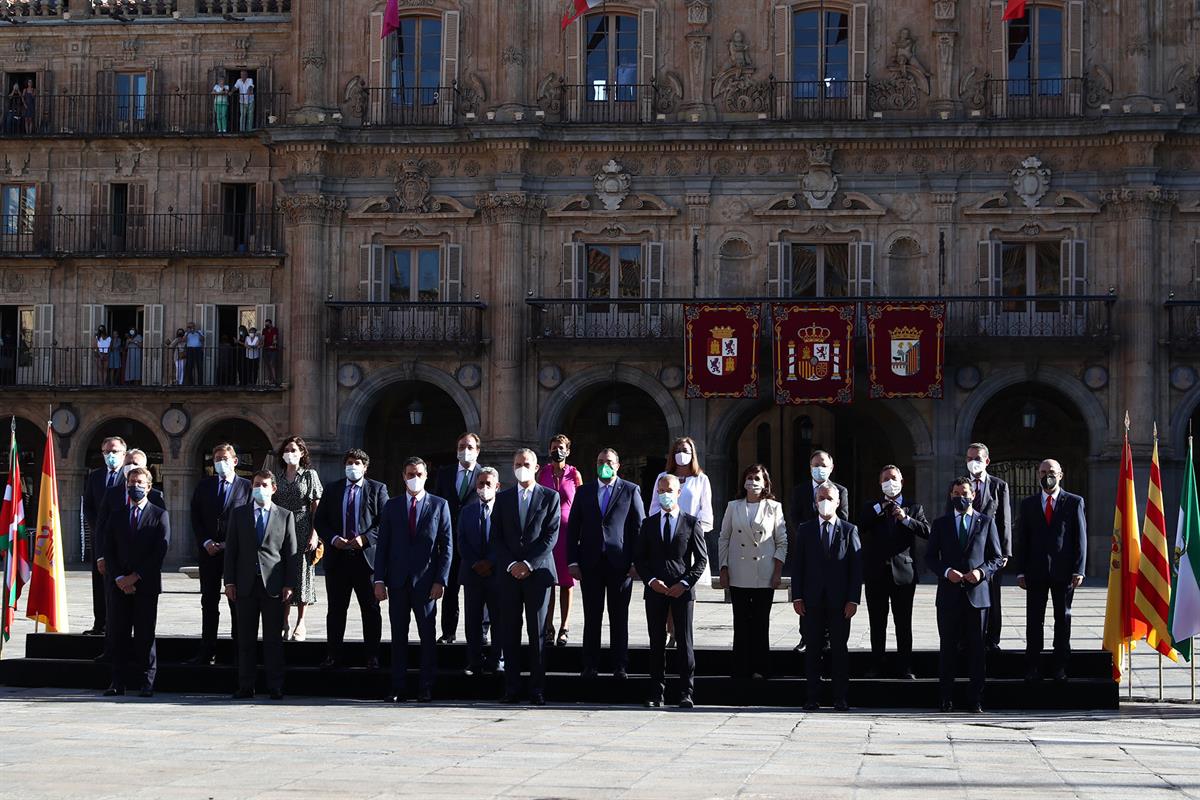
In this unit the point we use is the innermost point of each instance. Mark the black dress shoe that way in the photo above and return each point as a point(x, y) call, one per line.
point(1060, 675)
point(243, 694)
point(908, 675)
point(94, 631)
point(146, 691)
point(620, 674)
point(509, 699)
point(329, 663)
point(946, 707)
point(686, 701)
point(114, 691)
point(841, 705)
point(975, 708)
point(589, 673)
point(992, 647)
point(811, 706)
point(450, 640)
point(537, 699)
point(654, 702)
point(276, 695)
point(202, 659)
point(373, 663)
point(470, 671)
point(800, 647)
point(394, 698)
point(424, 696)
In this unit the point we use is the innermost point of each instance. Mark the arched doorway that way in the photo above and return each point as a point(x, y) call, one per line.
point(31, 444)
point(412, 418)
point(137, 437)
point(254, 450)
point(624, 418)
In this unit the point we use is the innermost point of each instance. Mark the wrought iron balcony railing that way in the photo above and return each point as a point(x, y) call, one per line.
point(1035, 98)
point(226, 366)
point(1183, 323)
point(401, 108)
point(51, 9)
point(420, 323)
point(609, 103)
point(135, 234)
point(819, 101)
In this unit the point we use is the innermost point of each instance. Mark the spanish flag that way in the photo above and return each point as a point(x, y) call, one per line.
point(47, 602)
point(1152, 600)
point(578, 9)
point(1121, 628)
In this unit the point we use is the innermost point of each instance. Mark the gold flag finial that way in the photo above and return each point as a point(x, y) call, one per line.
point(1127, 422)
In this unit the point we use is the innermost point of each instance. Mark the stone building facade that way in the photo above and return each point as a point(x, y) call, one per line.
point(430, 218)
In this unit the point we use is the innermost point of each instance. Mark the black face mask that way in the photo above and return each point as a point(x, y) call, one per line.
point(558, 455)
point(961, 504)
point(136, 493)
point(1050, 482)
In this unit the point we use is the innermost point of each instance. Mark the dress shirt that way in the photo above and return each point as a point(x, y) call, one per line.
point(361, 483)
point(524, 497)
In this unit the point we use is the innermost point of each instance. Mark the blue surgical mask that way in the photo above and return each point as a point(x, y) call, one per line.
point(261, 495)
point(354, 472)
point(113, 460)
point(666, 500)
point(223, 467)
point(821, 474)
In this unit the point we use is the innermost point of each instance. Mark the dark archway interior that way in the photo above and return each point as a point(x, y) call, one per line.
point(395, 437)
point(31, 443)
point(137, 437)
point(254, 449)
point(641, 437)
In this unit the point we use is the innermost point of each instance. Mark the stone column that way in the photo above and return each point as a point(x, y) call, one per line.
point(512, 31)
point(313, 88)
point(945, 35)
point(509, 214)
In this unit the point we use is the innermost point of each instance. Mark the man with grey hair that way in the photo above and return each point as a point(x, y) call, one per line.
point(478, 572)
point(992, 500)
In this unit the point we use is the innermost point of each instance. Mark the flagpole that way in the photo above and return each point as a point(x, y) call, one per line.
point(1129, 669)
point(1160, 677)
point(1192, 667)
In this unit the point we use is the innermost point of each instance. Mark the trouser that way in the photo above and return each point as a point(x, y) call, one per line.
point(751, 630)
point(99, 598)
point(135, 613)
point(352, 576)
point(1061, 594)
point(180, 368)
point(821, 620)
point(881, 593)
point(250, 608)
point(212, 594)
point(271, 366)
point(524, 601)
point(403, 600)
point(450, 599)
point(680, 608)
point(600, 582)
point(221, 112)
point(246, 115)
point(251, 377)
point(194, 359)
point(991, 636)
point(481, 600)
point(960, 623)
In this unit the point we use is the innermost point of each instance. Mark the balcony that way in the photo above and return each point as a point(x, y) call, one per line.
point(608, 103)
point(1183, 324)
point(457, 326)
point(404, 108)
point(1035, 98)
point(133, 9)
point(607, 319)
point(67, 115)
point(168, 235)
point(222, 367)
point(818, 101)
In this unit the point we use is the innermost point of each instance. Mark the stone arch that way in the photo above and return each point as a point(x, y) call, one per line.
point(137, 413)
point(205, 421)
point(556, 406)
point(1184, 410)
point(352, 419)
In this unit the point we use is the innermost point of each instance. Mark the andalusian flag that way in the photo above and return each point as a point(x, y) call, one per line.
point(48, 586)
point(578, 9)
point(1152, 599)
point(1185, 590)
point(14, 546)
point(1121, 628)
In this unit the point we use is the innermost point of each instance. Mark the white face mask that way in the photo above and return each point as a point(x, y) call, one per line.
point(523, 474)
point(291, 458)
point(125, 470)
point(754, 485)
point(891, 488)
point(821, 474)
point(467, 456)
point(415, 485)
point(354, 472)
point(683, 459)
point(976, 466)
point(224, 467)
point(826, 508)
point(487, 494)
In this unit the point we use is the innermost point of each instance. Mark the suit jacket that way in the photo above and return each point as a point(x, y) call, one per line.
point(142, 550)
point(276, 562)
point(418, 559)
point(471, 546)
point(115, 500)
point(750, 545)
point(209, 516)
point(95, 486)
point(833, 578)
point(982, 552)
point(888, 545)
point(993, 500)
point(533, 543)
point(592, 537)
point(445, 486)
point(1059, 550)
point(330, 521)
point(804, 505)
point(684, 559)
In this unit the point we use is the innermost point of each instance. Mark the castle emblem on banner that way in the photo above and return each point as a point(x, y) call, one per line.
point(811, 356)
point(722, 351)
point(906, 351)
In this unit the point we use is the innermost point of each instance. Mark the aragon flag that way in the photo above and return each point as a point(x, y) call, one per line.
point(1152, 599)
point(47, 602)
point(1121, 628)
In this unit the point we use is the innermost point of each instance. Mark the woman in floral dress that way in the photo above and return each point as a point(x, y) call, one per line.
point(298, 489)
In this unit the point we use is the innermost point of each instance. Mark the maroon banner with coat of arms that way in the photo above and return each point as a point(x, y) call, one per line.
point(814, 353)
point(906, 348)
point(721, 350)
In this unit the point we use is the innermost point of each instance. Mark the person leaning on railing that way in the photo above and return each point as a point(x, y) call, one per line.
point(220, 92)
point(178, 347)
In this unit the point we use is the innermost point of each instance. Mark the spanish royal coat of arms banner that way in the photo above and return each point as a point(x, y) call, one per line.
point(721, 350)
point(814, 352)
point(905, 347)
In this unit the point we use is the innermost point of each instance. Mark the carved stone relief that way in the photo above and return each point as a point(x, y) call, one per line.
point(1031, 181)
point(734, 87)
point(819, 183)
point(906, 80)
point(612, 185)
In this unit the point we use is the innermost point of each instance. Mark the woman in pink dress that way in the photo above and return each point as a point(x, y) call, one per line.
point(564, 479)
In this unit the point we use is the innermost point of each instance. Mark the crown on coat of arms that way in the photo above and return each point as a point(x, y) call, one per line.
point(905, 333)
point(813, 333)
point(725, 332)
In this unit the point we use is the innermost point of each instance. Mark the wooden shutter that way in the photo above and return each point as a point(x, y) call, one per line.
point(370, 273)
point(1073, 269)
point(779, 269)
point(652, 261)
point(154, 351)
point(647, 66)
point(206, 320)
point(43, 344)
point(153, 102)
point(574, 266)
point(136, 220)
point(998, 64)
point(43, 83)
point(859, 47)
point(375, 77)
point(99, 216)
point(450, 22)
point(862, 269)
point(573, 69)
point(43, 221)
point(783, 57)
point(990, 254)
point(91, 316)
point(106, 101)
point(1074, 56)
point(452, 277)
point(215, 228)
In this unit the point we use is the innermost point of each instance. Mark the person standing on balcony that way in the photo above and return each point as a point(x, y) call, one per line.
point(16, 109)
point(104, 343)
point(29, 106)
point(194, 340)
point(220, 92)
point(239, 344)
point(115, 355)
point(245, 90)
point(133, 358)
point(253, 349)
point(178, 347)
point(270, 337)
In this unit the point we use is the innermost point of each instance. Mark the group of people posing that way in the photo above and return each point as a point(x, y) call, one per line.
point(508, 540)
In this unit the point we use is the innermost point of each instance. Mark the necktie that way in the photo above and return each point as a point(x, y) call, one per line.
point(260, 525)
point(524, 506)
point(485, 522)
point(112, 478)
point(1049, 508)
point(134, 513)
point(412, 517)
point(604, 498)
point(462, 485)
point(964, 530)
point(350, 529)
point(222, 489)
point(667, 529)
point(827, 536)
point(977, 501)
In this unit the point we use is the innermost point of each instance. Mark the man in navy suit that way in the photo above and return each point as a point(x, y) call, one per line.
point(827, 576)
point(606, 516)
point(456, 484)
point(527, 520)
point(991, 500)
point(670, 556)
point(135, 545)
point(412, 566)
point(964, 551)
point(478, 572)
point(95, 485)
point(804, 508)
point(347, 521)
point(1053, 531)
point(212, 501)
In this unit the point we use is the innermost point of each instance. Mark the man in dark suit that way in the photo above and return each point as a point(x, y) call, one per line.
point(804, 507)
point(1053, 531)
point(213, 499)
point(95, 485)
point(527, 520)
point(992, 500)
point(964, 551)
point(262, 571)
point(135, 543)
point(606, 516)
point(412, 566)
point(670, 556)
point(478, 572)
point(456, 484)
point(347, 521)
point(827, 577)
point(889, 529)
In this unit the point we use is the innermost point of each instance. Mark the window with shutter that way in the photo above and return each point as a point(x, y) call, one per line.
point(652, 258)
point(613, 59)
point(154, 351)
point(450, 57)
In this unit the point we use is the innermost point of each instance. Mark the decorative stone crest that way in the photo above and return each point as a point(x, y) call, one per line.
point(412, 188)
point(697, 12)
point(1031, 181)
point(1099, 85)
point(819, 183)
point(123, 282)
point(945, 10)
point(472, 93)
point(1182, 84)
point(612, 185)
point(907, 77)
point(513, 55)
point(734, 86)
point(550, 92)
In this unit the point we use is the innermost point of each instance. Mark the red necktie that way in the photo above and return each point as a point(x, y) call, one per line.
point(412, 517)
point(1049, 508)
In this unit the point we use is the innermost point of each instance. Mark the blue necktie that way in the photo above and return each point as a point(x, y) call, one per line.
point(222, 488)
point(605, 498)
point(260, 526)
point(485, 523)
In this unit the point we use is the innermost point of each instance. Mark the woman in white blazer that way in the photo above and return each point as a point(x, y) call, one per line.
point(753, 550)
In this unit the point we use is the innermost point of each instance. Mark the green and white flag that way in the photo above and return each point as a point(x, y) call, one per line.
point(1185, 589)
